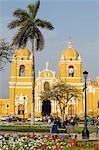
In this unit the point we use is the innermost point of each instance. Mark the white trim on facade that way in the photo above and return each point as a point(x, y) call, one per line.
point(79, 84)
point(4, 99)
point(21, 77)
point(21, 87)
point(70, 61)
point(71, 77)
point(24, 60)
point(45, 78)
point(97, 89)
point(21, 83)
point(75, 68)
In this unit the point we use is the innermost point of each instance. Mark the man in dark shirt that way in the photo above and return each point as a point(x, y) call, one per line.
point(54, 129)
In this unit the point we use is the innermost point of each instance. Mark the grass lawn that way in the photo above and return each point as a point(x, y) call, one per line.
point(79, 129)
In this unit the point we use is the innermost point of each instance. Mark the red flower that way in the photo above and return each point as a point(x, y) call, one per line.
point(9, 148)
point(73, 144)
point(96, 146)
point(44, 145)
point(56, 148)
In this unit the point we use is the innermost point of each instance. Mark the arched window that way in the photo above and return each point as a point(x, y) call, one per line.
point(46, 86)
point(22, 71)
point(71, 71)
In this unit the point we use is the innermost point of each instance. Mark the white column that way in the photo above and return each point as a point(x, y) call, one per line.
point(52, 106)
point(16, 108)
point(26, 108)
point(55, 106)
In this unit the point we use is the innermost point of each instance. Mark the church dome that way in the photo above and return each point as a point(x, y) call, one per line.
point(70, 53)
point(24, 52)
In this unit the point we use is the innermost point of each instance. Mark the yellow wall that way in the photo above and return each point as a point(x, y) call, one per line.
point(3, 107)
point(63, 72)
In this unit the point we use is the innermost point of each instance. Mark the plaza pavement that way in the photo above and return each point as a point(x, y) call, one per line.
point(92, 136)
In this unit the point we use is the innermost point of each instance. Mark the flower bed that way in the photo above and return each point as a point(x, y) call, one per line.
point(34, 142)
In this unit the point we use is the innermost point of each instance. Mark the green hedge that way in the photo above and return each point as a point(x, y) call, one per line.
point(37, 128)
point(23, 129)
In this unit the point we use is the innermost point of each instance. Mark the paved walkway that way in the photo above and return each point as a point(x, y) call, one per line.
point(92, 136)
point(79, 136)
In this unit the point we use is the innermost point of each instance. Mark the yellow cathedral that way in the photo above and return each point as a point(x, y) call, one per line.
point(69, 71)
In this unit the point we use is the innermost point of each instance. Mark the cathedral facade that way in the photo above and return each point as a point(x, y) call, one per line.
point(69, 71)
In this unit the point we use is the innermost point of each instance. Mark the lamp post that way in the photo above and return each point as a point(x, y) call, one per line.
point(85, 132)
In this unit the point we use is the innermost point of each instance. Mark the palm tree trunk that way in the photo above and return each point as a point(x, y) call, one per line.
point(33, 85)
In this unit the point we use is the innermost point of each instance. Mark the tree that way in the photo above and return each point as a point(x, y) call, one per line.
point(6, 53)
point(29, 30)
point(62, 93)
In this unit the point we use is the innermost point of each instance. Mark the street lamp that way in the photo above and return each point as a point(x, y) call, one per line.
point(85, 132)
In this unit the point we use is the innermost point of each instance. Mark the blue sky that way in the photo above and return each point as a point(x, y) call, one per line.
point(78, 19)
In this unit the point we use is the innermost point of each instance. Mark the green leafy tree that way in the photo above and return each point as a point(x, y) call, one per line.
point(29, 30)
point(62, 93)
point(6, 53)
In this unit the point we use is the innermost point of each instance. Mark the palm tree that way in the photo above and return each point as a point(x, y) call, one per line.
point(29, 30)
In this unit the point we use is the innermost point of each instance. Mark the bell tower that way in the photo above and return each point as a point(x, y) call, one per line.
point(20, 84)
point(70, 65)
point(70, 72)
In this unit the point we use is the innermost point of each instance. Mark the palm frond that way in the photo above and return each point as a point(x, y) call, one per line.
point(20, 13)
point(31, 9)
point(37, 5)
point(20, 39)
point(44, 24)
point(14, 24)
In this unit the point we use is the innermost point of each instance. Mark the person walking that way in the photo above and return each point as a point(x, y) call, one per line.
point(97, 131)
point(54, 129)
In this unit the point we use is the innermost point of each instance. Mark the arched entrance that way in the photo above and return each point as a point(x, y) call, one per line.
point(46, 107)
point(71, 110)
point(21, 109)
